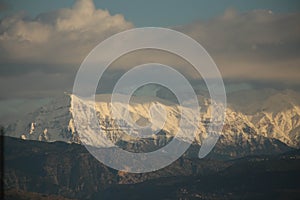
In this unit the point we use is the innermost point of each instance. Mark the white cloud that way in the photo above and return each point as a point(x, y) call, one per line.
point(64, 36)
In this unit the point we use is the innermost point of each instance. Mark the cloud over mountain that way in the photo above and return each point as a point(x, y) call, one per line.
point(257, 45)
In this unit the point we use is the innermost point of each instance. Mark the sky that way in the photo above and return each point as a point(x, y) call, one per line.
point(158, 13)
point(42, 43)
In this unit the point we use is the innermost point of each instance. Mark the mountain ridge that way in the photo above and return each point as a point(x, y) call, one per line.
point(54, 122)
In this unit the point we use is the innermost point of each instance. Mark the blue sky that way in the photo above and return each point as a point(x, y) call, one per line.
point(159, 12)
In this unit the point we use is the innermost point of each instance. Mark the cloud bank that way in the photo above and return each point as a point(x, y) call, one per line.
point(40, 56)
point(64, 36)
point(257, 45)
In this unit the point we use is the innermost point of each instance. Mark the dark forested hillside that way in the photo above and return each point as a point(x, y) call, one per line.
point(59, 170)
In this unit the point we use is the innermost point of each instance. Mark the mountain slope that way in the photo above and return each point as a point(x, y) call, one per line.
point(52, 122)
point(69, 171)
point(251, 132)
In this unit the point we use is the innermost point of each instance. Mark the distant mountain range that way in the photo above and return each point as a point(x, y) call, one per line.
point(256, 157)
point(260, 125)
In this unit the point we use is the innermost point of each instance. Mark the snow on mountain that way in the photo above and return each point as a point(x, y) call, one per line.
point(165, 115)
point(48, 123)
point(273, 113)
point(276, 119)
point(283, 125)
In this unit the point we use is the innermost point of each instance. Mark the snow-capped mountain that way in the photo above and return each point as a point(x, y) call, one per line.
point(273, 114)
point(54, 122)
